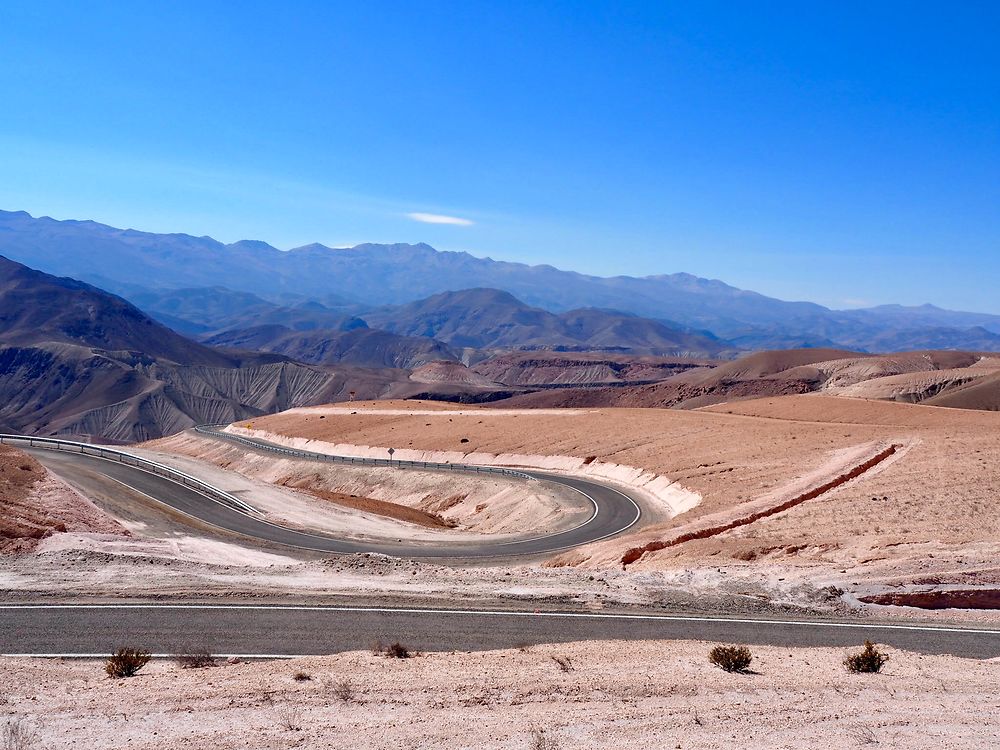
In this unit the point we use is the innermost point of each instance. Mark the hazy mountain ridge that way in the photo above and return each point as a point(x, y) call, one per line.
point(494, 319)
point(399, 274)
point(361, 346)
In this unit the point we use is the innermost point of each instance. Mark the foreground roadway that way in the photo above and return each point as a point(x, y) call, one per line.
point(278, 631)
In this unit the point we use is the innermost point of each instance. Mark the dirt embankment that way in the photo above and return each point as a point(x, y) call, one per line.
point(585, 696)
point(35, 505)
point(371, 505)
point(713, 525)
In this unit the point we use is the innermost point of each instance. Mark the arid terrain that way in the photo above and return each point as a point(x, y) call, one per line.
point(608, 695)
point(808, 503)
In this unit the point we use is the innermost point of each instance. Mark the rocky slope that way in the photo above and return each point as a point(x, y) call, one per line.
point(493, 319)
point(77, 361)
point(361, 346)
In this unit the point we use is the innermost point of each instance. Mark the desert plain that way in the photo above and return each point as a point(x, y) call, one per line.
point(815, 505)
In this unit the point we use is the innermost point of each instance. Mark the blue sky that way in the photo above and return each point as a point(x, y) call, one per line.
point(846, 153)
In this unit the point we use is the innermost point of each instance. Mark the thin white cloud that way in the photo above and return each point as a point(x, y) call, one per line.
point(440, 219)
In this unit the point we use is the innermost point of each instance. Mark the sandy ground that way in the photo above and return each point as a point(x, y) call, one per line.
point(923, 520)
point(926, 518)
point(34, 505)
point(614, 695)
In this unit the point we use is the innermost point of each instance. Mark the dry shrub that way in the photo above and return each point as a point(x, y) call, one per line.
point(541, 741)
point(126, 662)
point(564, 662)
point(343, 691)
point(290, 718)
point(731, 658)
point(194, 659)
point(865, 736)
point(301, 676)
point(17, 735)
point(397, 651)
point(868, 660)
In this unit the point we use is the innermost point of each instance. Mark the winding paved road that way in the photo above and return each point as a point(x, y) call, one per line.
point(614, 511)
point(277, 630)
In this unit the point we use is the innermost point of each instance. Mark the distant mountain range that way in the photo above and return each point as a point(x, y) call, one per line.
point(151, 268)
point(492, 319)
point(78, 361)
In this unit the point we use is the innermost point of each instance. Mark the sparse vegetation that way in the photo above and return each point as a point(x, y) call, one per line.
point(342, 690)
point(289, 717)
point(865, 736)
point(868, 660)
point(541, 741)
point(17, 735)
point(301, 676)
point(564, 662)
point(397, 651)
point(194, 659)
point(126, 662)
point(731, 658)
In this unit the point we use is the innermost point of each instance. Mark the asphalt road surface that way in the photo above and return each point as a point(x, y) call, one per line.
point(614, 513)
point(94, 630)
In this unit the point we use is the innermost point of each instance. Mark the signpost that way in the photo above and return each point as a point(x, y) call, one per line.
point(391, 451)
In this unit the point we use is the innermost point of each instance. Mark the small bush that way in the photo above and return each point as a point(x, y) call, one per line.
point(126, 662)
point(343, 691)
point(397, 651)
point(868, 660)
point(290, 718)
point(541, 741)
point(301, 676)
point(194, 659)
point(565, 665)
point(17, 735)
point(731, 658)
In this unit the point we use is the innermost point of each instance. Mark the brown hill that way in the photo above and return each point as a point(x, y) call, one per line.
point(77, 361)
point(580, 368)
point(983, 393)
point(492, 319)
point(958, 379)
point(364, 347)
point(36, 307)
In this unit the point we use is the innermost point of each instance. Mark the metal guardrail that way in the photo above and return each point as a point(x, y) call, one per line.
point(213, 431)
point(132, 460)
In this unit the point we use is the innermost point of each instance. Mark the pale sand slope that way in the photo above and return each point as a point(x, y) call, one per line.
point(618, 694)
point(935, 517)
